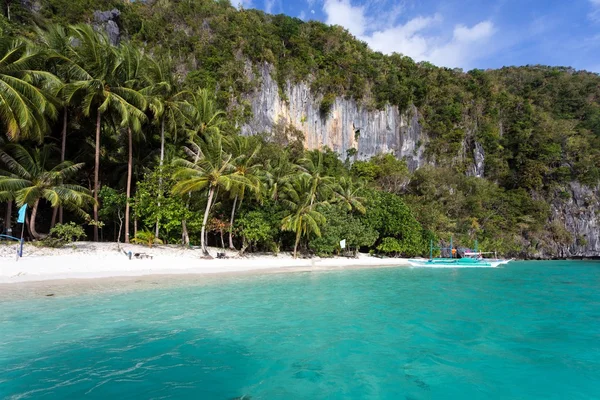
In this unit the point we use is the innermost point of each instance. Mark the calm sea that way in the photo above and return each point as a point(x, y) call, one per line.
point(530, 330)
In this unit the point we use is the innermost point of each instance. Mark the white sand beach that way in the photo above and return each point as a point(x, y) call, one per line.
point(87, 260)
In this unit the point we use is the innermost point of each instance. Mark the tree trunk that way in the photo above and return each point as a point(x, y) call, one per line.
point(120, 226)
point(54, 213)
point(185, 237)
point(202, 237)
point(28, 223)
point(231, 246)
point(161, 163)
point(8, 218)
point(162, 142)
point(34, 233)
point(96, 175)
point(298, 232)
point(129, 173)
point(63, 150)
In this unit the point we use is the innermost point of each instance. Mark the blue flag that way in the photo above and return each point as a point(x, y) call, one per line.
point(22, 211)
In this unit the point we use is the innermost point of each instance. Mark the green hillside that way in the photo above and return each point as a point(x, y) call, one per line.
point(180, 61)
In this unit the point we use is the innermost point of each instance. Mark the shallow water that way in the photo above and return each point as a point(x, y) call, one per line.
point(530, 330)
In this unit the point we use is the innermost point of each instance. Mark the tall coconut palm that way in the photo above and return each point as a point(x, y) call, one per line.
point(244, 151)
point(212, 169)
point(7, 197)
point(278, 173)
point(207, 121)
point(101, 92)
point(169, 106)
point(348, 193)
point(130, 76)
point(24, 95)
point(303, 218)
point(321, 184)
point(55, 41)
point(30, 177)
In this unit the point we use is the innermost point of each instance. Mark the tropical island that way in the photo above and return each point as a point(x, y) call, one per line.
point(199, 200)
point(198, 123)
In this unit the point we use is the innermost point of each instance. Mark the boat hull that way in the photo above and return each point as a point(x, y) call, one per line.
point(458, 263)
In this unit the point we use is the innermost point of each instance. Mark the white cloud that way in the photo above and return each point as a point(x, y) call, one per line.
point(243, 3)
point(302, 16)
point(415, 37)
point(480, 31)
point(312, 11)
point(341, 12)
point(594, 15)
point(269, 6)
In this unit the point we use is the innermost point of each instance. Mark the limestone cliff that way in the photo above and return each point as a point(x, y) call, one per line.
point(578, 212)
point(350, 125)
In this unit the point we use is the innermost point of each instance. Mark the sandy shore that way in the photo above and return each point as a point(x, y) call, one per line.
point(87, 260)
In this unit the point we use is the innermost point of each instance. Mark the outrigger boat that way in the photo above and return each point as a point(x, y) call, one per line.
point(469, 259)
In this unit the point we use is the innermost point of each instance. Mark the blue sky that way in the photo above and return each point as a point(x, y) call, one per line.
point(464, 33)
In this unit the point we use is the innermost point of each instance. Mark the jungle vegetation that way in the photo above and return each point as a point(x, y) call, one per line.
point(140, 139)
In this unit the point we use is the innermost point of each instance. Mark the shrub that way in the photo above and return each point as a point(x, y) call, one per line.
point(326, 105)
point(147, 238)
point(257, 230)
point(390, 245)
point(63, 234)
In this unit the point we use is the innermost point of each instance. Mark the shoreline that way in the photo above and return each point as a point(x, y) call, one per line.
point(93, 261)
point(54, 288)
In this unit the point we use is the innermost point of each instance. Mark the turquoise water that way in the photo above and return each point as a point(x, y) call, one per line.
point(530, 330)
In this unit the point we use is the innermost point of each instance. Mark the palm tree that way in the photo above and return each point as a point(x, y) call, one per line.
point(130, 74)
point(24, 98)
point(303, 217)
point(100, 91)
point(29, 178)
point(211, 169)
point(244, 151)
point(207, 120)
point(321, 184)
point(7, 197)
point(278, 173)
point(347, 192)
point(55, 41)
point(24, 91)
point(170, 107)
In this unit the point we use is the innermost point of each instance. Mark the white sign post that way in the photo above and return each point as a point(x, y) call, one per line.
point(343, 244)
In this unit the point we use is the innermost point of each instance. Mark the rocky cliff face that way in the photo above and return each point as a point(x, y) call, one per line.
point(579, 213)
point(349, 125)
point(109, 22)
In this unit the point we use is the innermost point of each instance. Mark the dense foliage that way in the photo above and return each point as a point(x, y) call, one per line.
point(150, 127)
point(63, 234)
